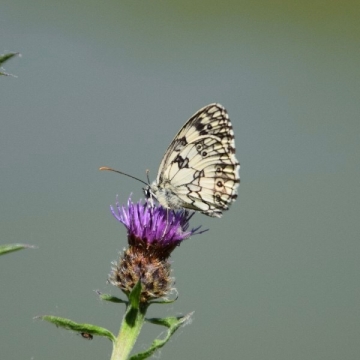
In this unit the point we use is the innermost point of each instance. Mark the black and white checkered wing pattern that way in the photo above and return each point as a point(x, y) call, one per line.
point(199, 170)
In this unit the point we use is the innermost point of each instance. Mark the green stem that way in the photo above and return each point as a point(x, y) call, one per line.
point(130, 329)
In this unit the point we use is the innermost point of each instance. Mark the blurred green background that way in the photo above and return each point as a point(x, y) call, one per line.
point(110, 83)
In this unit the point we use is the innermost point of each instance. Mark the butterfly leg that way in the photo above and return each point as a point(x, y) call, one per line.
point(167, 223)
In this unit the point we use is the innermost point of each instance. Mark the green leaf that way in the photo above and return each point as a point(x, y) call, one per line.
point(108, 297)
point(172, 323)
point(80, 328)
point(14, 247)
point(165, 301)
point(134, 296)
point(168, 321)
point(4, 58)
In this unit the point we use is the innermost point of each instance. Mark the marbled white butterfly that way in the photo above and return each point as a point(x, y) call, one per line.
point(199, 170)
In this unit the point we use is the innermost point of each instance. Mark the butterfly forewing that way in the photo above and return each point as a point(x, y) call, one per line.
point(210, 120)
point(199, 170)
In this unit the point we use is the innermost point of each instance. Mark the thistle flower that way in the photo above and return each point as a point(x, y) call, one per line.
point(153, 233)
point(143, 274)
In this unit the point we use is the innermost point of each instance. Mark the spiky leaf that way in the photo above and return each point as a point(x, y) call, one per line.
point(80, 328)
point(110, 298)
point(172, 323)
point(14, 247)
point(4, 58)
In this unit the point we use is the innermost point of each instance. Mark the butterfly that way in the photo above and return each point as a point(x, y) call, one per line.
point(199, 170)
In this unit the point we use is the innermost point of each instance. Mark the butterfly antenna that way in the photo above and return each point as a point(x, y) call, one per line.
point(151, 195)
point(122, 173)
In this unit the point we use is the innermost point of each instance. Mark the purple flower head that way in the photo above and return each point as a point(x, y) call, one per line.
point(154, 226)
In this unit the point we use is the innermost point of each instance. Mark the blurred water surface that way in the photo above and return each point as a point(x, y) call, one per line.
point(110, 83)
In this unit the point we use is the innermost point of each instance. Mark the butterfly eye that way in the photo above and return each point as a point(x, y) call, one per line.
point(204, 153)
point(198, 147)
point(218, 170)
point(147, 192)
point(219, 184)
point(217, 197)
point(209, 127)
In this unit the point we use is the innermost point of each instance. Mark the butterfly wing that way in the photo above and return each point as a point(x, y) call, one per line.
point(200, 162)
point(210, 120)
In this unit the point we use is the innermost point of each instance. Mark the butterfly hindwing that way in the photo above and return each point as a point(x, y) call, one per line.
point(204, 176)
